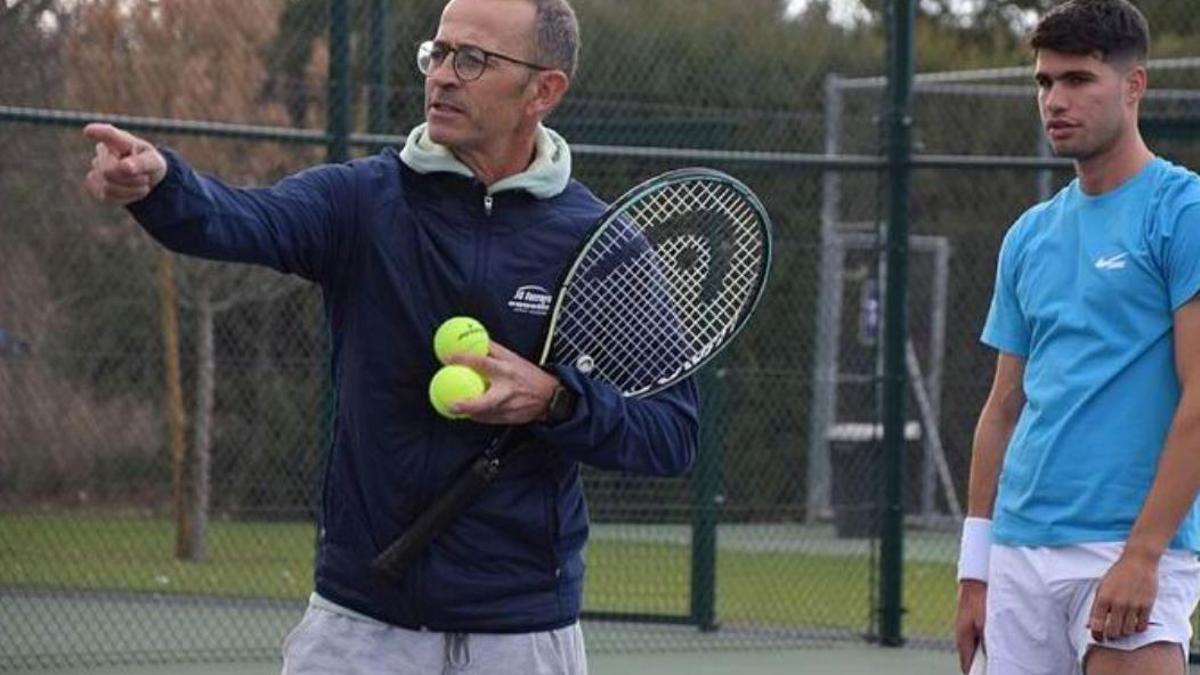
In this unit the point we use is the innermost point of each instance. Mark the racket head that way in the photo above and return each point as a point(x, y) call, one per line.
point(669, 276)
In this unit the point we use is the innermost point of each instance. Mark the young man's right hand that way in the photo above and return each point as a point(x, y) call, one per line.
point(125, 169)
point(968, 624)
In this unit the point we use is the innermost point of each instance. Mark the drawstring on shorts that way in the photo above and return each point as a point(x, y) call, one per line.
point(458, 652)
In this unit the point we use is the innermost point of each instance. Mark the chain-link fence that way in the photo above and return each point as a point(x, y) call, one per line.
point(959, 217)
point(163, 420)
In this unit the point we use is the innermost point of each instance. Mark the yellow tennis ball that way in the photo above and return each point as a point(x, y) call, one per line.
point(452, 384)
point(460, 334)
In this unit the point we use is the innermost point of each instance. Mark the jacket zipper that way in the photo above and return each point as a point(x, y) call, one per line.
point(482, 254)
point(419, 581)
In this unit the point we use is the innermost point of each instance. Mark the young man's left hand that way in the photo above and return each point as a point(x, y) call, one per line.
point(1124, 597)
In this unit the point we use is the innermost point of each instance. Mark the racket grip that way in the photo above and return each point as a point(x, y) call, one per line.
point(396, 558)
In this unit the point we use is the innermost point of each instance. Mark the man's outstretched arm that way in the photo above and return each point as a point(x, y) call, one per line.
point(292, 226)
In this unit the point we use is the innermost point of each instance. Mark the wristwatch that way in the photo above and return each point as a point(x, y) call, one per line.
point(561, 406)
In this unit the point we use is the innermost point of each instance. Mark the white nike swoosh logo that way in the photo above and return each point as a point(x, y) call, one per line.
point(1111, 262)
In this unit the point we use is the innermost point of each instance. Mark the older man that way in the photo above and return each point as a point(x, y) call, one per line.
point(477, 208)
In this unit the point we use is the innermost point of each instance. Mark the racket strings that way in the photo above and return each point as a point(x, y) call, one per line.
point(663, 284)
point(721, 206)
point(608, 320)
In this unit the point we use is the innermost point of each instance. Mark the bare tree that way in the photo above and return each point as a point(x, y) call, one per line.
point(188, 59)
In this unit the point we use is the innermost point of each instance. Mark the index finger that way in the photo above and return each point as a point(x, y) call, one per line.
point(504, 353)
point(480, 364)
point(117, 140)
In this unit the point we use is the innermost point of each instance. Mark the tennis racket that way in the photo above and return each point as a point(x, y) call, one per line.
point(665, 280)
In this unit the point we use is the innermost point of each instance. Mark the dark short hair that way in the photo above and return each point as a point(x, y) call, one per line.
point(1114, 28)
point(556, 35)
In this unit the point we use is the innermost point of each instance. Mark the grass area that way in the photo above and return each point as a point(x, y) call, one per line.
point(271, 560)
point(263, 560)
point(781, 590)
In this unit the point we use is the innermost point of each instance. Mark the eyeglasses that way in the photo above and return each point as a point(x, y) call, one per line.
point(469, 61)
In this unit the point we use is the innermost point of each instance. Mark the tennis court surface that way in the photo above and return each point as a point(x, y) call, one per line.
point(44, 630)
point(843, 660)
point(850, 659)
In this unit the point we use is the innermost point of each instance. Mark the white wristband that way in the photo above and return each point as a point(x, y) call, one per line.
point(975, 551)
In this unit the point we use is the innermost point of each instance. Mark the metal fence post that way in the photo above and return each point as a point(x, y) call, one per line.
point(706, 497)
point(338, 116)
point(380, 67)
point(822, 413)
point(891, 558)
point(337, 149)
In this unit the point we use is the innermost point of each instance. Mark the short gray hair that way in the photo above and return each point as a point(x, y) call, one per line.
point(556, 35)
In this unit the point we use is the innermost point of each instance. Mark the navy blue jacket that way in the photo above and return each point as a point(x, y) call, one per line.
point(395, 253)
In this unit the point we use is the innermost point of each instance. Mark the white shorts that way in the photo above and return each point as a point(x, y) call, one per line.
point(1039, 600)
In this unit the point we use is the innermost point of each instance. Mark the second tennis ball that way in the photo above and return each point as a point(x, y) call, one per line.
point(460, 334)
point(452, 384)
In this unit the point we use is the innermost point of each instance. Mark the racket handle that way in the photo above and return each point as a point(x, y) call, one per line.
point(396, 558)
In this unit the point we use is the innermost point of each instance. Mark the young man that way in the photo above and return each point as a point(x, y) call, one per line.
point(1086, 461)
point(478, 204)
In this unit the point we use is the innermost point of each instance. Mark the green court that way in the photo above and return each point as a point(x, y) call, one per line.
point(226, 637)
point(777, 586)
point(849, 660)
point(59, 613)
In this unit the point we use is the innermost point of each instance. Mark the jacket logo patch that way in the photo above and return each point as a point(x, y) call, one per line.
point(531, 300)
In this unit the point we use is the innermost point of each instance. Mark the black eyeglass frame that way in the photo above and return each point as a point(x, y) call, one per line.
point(426, 51)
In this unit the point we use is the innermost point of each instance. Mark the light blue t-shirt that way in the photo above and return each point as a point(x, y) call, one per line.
point(1086, 288)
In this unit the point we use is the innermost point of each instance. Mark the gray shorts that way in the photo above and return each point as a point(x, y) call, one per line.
point(333, 640)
